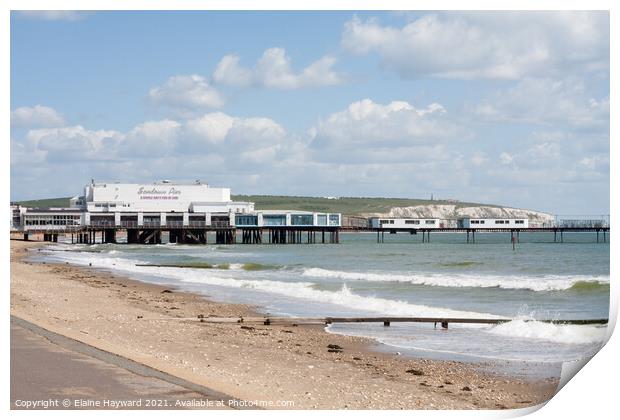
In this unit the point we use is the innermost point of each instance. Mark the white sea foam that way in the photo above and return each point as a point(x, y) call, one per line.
point(538, 284)
point(566, 334)
point(297, 290)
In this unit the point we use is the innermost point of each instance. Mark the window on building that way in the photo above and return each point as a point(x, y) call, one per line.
point(246, 220)
point(301, 219)
point(334, 220)
point(274, 220)
point(430, 222)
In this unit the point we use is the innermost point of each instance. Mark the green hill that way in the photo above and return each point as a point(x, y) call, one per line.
point(345, 205)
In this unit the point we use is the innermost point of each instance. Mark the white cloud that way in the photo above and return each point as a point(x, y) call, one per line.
point(229, 72)
point(67, 15)
point(494, 45)
point(257, 130)
point(38, 116)
point(186, 93)
point(233, 136)
point(479, 158)
point(274, 70)
point(214, 136)
point(376, 132)
point(151, 138)
point(74, 142)
point(506, 158)
point(546, 101)
point(213, 127)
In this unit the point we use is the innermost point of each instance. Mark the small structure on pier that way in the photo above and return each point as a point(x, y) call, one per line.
point(405, 223)
point(506, 223)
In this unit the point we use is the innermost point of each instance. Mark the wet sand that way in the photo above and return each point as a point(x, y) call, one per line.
point(259, 363)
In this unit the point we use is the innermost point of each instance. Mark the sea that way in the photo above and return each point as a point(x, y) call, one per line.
point(403, 276)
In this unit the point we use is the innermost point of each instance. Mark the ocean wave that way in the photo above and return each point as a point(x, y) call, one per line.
point(345, 297)
point(460, 264)
point(298, 290)
point(565, 334)
point(537, 284)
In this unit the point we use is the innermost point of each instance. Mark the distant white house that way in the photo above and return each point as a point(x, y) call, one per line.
point(405, 223)
point(472, 223)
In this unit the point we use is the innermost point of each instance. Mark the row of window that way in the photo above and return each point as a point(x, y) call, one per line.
point(497, 222)
point(296, 220)
point(59, 220)
point(110, 205)
point(407, 222)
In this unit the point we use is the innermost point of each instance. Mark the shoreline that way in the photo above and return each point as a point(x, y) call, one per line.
point(124, 316)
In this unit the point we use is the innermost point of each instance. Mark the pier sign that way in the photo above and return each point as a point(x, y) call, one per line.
point(158, 193)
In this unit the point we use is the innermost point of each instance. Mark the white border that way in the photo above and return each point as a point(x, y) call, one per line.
point(592, 393)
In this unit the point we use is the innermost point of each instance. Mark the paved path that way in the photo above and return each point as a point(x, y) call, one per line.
point(51, 371)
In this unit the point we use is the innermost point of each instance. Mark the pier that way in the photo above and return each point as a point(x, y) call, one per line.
point(602, 233)
point(221, 234)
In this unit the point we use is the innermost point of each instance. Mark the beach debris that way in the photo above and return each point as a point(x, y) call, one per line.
point(466, 388)
point(334, 348)
point(416, 372)
point(140, 316)
point(287, 331)
point(200, 316)
point(245, 327)
point(357, 358)
point(447, 382)
point(166, 291)
point(398, 353)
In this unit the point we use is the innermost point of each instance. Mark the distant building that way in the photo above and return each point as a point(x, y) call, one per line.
point(583, 223)
point(266, 218)
point(16, 217)
point(405, 223)
point(471, 223)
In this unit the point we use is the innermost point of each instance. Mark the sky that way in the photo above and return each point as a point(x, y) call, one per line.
point(507, 108)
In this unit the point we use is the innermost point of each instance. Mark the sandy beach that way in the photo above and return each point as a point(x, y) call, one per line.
point(265, 363)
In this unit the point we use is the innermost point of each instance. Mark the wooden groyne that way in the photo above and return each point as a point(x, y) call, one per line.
point(387, 321)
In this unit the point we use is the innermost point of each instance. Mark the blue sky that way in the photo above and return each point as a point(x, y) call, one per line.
point(509, 108)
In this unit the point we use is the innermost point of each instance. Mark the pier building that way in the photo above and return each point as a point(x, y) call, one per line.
point(406, 223)
point(173, 212)
point(506, 223)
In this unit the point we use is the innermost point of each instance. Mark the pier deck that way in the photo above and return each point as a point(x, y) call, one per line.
point(558, 232)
